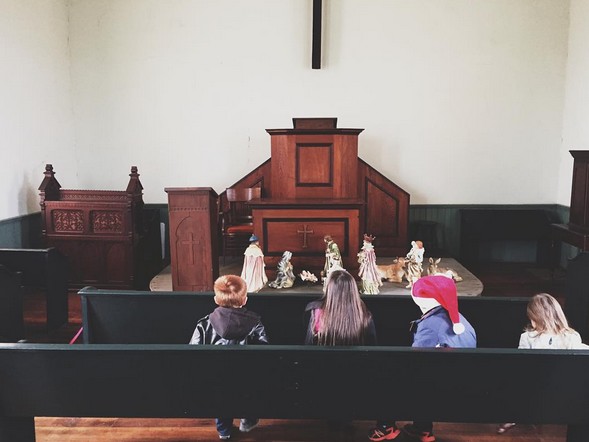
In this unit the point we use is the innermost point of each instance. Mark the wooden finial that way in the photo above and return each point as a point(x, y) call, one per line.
point(134, 185)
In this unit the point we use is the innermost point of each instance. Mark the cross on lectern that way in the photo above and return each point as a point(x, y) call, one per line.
point(316, 53)
point(305, 232)
point(191, 243)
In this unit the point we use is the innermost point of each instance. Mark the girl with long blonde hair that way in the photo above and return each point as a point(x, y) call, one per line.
point(548, 329)
point(548, 326)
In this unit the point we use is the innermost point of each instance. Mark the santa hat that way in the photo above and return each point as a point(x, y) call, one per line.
point(443, 290)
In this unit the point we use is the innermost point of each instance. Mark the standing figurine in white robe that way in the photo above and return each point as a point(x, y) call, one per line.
point(254, 269)
point(368, 271)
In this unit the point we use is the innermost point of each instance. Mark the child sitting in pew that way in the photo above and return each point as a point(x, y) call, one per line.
point(548, 329)
point(340, 317)
point(230, 324)
point(441, 325)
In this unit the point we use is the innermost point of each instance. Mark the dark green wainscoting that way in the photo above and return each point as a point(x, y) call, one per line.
point(21, 232)
point(438, 225)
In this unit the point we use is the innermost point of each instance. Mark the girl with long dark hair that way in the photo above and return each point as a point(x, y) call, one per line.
point(340, 317)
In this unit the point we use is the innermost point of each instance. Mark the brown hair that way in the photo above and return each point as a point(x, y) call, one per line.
point(546, 315)
point(230, 291)
point(344, 318)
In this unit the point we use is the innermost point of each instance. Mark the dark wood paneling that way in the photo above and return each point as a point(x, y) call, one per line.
point(386, 212)
point(314, 165)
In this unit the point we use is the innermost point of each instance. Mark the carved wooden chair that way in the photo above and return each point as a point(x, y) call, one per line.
point(236, 222)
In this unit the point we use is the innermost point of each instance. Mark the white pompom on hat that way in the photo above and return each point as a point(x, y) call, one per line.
point(443, 290)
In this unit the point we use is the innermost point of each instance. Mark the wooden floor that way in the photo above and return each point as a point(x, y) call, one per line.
point(176, 430)
point(498, 279)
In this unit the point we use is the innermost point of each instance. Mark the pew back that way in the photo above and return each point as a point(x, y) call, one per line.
point(461, 385)
point(46, 269)
point(131, 317)
point(11, 306)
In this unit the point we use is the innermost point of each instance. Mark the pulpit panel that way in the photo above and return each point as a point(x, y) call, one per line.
point(305, 236)
point(301, 230)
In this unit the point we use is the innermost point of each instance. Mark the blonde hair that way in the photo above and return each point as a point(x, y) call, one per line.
point(546, 315)
point(230, 291)
point(345, 318)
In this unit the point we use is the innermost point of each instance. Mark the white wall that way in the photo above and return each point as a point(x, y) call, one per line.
point(36, 123)
point(461, 100)
point(576, 112)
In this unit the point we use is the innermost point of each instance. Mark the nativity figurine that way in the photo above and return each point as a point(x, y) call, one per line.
point(414, 261)
point(368, 272)
point(254, 269)
point(435, 269)
point(285, 277)
point(393, 272)
point(333, 257)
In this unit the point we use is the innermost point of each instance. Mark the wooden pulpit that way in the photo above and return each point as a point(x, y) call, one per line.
point(315, 185)
point(314, 182)
point(194, 248)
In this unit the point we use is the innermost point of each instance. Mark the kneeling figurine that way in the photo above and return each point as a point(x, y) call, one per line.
point(284, 273)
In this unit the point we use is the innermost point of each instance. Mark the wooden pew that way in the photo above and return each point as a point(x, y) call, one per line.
point(442, 385)
point(11, 306)
point(45, 269)
point(133, 317)
point(479, 226)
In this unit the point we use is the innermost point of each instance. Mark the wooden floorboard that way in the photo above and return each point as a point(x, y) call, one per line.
point(275, 430)
point(502, 279)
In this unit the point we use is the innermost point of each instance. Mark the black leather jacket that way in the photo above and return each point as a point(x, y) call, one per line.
point(230, 326)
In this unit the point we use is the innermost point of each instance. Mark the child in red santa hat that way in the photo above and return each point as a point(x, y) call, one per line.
point(441, 325)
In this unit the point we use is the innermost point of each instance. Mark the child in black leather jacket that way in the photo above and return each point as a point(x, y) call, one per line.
point(230, 324)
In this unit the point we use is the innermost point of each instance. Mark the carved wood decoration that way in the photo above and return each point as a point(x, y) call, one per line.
point(99, 231)
point(193, 238)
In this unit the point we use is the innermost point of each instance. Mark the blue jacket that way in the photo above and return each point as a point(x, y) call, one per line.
point(434, 329)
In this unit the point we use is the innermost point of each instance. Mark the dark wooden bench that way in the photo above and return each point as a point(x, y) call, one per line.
point(166, 381)
point(132, 317)
point(11, 306)
point(45, 269)
point(479, 226)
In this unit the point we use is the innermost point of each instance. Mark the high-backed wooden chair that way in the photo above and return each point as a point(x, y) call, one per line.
point(237, 223)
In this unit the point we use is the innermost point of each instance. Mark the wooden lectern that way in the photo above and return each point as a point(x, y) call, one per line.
point(194, 248)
